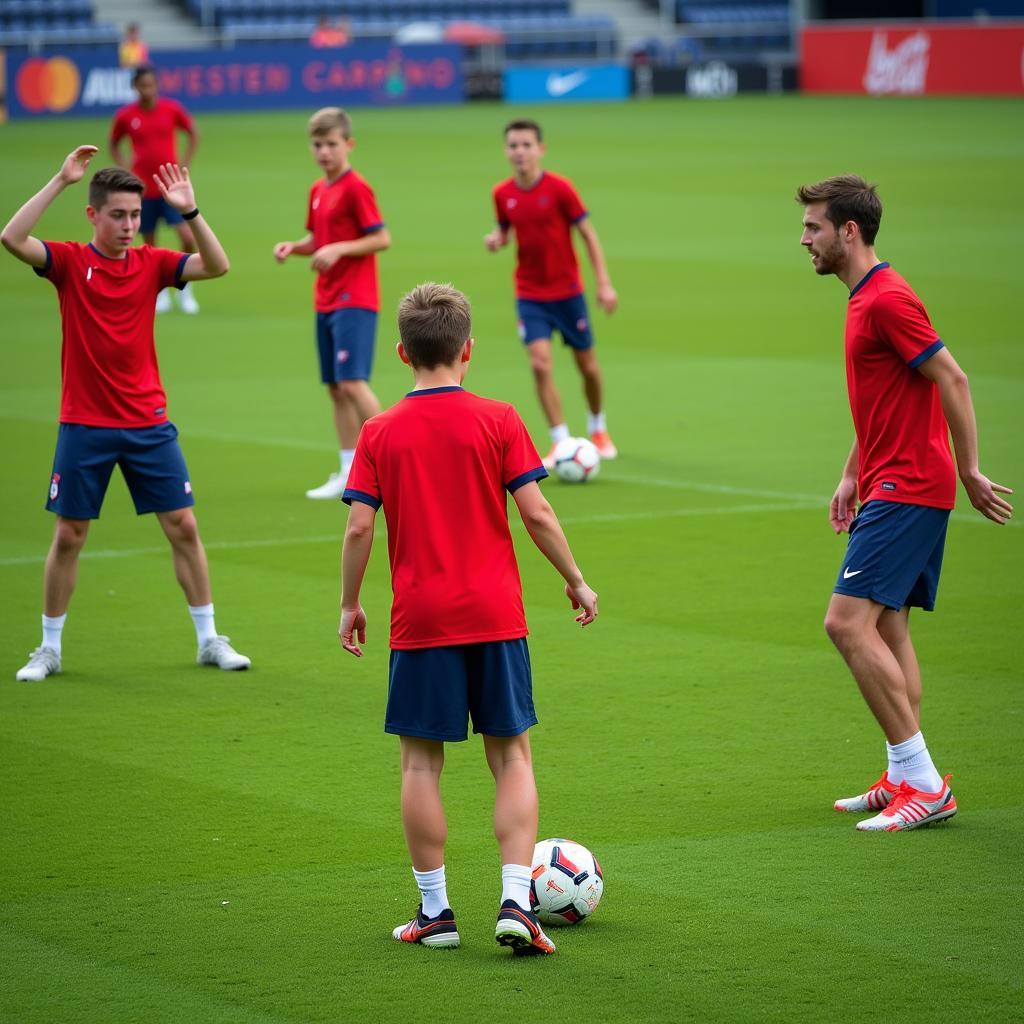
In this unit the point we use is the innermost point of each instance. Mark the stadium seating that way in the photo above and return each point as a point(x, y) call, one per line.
point(40, 21)
point(744, 27)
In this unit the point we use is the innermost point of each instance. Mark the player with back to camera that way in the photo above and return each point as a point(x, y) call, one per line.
point(152, 124)
point(113, 407)
point(542, 209)
point(907, 395)
point(344, 233)
point(440, 462)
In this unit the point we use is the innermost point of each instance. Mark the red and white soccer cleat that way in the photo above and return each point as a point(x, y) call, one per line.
point(875, 799)
point(604, 444)
point(912, 808)
point(520, 929)
point(429, 931)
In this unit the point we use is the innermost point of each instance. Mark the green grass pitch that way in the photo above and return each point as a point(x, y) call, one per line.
point(182, 845)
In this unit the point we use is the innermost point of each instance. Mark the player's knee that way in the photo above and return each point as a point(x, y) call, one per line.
point(69, 535)
point(540, 363)
point(841, 631)
point(181, 526)
point(351, 390)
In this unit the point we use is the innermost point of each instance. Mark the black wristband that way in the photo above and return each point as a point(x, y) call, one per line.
point(192, 215)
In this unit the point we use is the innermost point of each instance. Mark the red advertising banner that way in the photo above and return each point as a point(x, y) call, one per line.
point(913, 59)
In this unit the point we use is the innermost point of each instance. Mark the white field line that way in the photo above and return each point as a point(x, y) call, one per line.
point(335, 538)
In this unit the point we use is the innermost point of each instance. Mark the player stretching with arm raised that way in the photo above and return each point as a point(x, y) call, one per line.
point(113, 408)
point(907, 394)
point(441, 462)
point(543, 208)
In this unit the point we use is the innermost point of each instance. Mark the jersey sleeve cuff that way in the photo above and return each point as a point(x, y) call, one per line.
point(373, 228)
point(524, 478)
point(351, 495)
point(583, 216)
point(926, 354)
point(45, 268)
point(178, 282)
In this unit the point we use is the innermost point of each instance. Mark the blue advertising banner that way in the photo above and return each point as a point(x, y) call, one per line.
point(77, 82)
point(560, 84)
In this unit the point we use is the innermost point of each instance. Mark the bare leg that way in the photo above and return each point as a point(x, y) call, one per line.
point(852, 625)
point(426, 830)
point(541, 363)
point(894, 628)
point(353, 404)
point(189, 555)
point(515, 798)
point(586, 363)
point(61, 570)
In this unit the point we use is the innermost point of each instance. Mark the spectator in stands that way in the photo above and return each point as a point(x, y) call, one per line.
point(133, 50)
point(327, 35)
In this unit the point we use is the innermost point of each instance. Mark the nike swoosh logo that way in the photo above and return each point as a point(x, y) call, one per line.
point(559, 85)
point(847, 574)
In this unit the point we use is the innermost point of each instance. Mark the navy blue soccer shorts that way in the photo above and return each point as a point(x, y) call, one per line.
point(345, 341)
point(150, 459)
point(157, 209)
point(894, 555)
point(567, 316)
point(433, 690)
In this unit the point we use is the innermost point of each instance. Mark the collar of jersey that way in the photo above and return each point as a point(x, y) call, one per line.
point(528, 188)
point(434, 391)
point(864, 280)
point(344, 174)
point(103, 255)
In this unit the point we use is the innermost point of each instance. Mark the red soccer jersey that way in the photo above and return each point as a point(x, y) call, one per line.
point(153, 137)
point(340, 211)
point(440, 462)
point(902, 433)
point(542, 217)
point(109, 372)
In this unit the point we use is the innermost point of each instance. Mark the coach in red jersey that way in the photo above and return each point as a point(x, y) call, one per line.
point(152, 124)
point(113, 409)
point(907, 395)
point(542, 209)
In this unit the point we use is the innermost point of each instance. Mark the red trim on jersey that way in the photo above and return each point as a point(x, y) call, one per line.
point(109, 371)
point(440, 461)
point(153, 134)
point(341, 211)
point(902, 435)
point(542, 217)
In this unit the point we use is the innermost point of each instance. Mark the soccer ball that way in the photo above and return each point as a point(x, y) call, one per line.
point(576, 460)
point(567, 882)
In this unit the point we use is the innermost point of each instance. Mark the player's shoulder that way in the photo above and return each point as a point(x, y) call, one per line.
point(503, 186)
point(353, 180)
point(557, 181)
point(890, 290)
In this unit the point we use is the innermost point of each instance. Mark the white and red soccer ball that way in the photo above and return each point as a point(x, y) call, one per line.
point(567, 882)
point(576, 460)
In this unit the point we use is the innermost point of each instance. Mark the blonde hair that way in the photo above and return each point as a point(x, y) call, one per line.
point(434, 322)
point(327, 119)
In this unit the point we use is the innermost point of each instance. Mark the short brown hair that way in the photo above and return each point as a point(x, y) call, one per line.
point(434, 323)
point(524, 124)
point(112, 179)
point(327, 119)
point(848, 197)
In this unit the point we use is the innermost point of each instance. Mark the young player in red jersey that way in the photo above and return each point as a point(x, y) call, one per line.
point(543, 208)
point(441, 462)
point(907, 394)
point(152, 124)
point(345, 231)
point(113, 408)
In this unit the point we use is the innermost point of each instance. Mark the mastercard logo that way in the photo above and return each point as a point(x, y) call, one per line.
point(49, 84)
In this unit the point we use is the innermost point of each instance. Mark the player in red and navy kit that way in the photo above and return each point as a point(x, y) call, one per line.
point(113, 410)
point(542, 209)
point(441, 463)
point(152, 124)
point(907, 395)
point(345, 231)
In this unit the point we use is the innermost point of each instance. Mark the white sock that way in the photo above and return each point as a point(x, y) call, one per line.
point(515, 884)
point(559, 433)
point(347, 455)
point(910, 761)
point(433, 890)
point(202, 616)
point(595, 422)
point(52, 626)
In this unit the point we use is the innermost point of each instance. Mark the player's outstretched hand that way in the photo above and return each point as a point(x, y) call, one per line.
point(76, 163)
point(607, 298)
point(494, 240)
point(984, 495)
point(842, 510)
point(352, 628)
point(582, 597)
point(175, 187)
point(283, 250)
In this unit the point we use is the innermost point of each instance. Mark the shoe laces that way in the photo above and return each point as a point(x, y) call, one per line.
point(903, 796)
